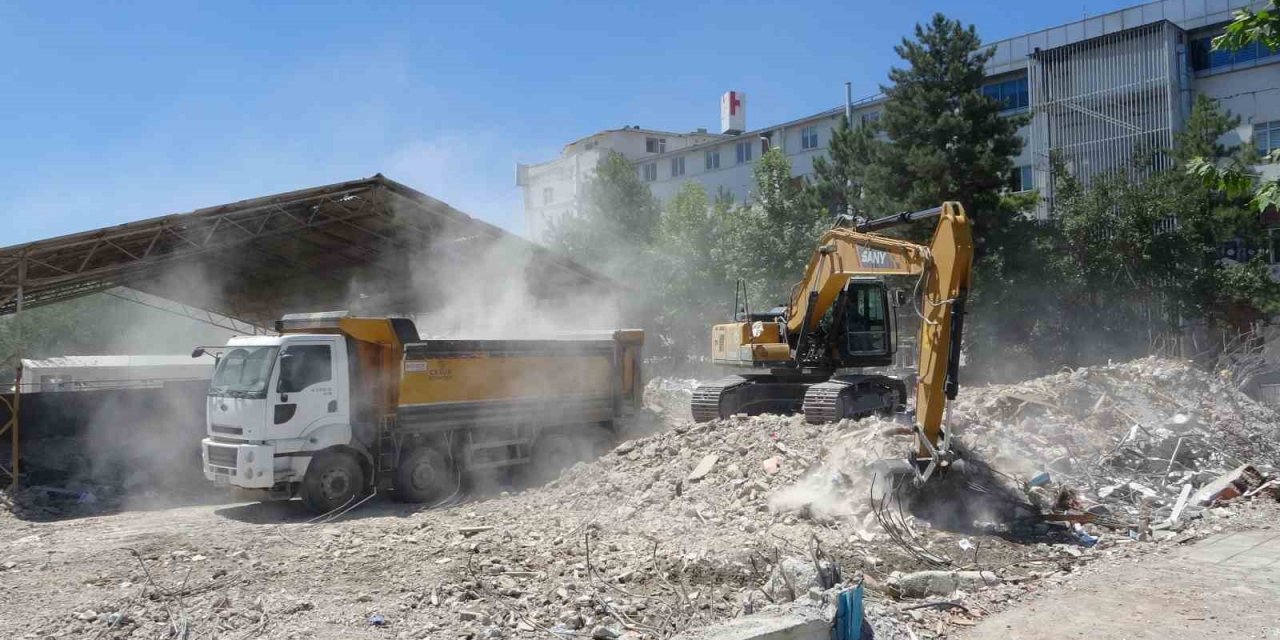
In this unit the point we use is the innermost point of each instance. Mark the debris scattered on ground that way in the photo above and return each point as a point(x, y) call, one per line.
point(695, 525)
point(1118, 439)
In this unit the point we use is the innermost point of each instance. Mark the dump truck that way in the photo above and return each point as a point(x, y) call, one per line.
point(336, 406)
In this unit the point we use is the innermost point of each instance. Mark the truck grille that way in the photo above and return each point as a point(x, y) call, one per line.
point(222, 456)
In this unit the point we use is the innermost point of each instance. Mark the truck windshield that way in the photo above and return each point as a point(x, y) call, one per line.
point(244, 372)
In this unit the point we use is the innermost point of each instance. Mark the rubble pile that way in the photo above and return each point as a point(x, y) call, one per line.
point(1151, 439)
point(664, 533)
point(694, 525)
point(670, 397)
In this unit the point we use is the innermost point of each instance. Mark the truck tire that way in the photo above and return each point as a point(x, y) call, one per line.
point(422, 476)
point(597, 441)
point(334, 480)
point(552, 452)
point(555, 451)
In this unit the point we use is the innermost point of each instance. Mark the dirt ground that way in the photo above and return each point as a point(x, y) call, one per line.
point(1223, 587)
point(261, 570)
point(684, 525)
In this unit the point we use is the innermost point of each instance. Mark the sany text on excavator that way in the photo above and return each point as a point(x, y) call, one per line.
point(810, 356)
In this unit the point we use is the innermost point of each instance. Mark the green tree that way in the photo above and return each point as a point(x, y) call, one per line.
point(1133, 259)
point(840, 178)
point(618, 221)
point(1236, 177)
point(944, 139)
point(769, 241)
point(691, 277)
point(1248, 27)
point(947, 140)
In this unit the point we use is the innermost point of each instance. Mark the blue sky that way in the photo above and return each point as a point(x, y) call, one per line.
point(111, 112)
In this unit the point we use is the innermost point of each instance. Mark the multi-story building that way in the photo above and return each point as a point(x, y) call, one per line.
point(1100, 90)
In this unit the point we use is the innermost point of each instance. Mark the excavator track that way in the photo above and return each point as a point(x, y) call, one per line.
point(752, 396)
point(706, 401)
point(853, 397)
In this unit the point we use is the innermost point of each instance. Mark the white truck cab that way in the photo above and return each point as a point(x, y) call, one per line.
point(272, 401)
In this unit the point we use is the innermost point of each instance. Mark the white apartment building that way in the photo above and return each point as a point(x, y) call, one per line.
point(1100, 90)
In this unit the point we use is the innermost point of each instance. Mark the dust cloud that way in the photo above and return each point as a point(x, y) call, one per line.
point(500, 291)
point(125, 443)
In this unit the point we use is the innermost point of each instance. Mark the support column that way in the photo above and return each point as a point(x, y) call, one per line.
point(13, 425)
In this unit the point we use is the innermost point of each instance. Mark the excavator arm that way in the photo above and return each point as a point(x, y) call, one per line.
point(944, 288)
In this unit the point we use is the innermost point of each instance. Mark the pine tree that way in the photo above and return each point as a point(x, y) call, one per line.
point(947, 140)
point(840, 178)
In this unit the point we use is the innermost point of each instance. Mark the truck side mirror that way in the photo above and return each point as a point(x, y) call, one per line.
point(199, 351)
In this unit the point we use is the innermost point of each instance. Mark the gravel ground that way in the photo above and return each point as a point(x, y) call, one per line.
point(679, 527)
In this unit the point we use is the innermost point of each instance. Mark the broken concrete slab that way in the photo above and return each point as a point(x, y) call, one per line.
point(797, 623)
point(923, 584)
point(704, 467)
point(1228, 486)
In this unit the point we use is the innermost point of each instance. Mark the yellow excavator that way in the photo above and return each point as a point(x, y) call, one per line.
point(810, 355)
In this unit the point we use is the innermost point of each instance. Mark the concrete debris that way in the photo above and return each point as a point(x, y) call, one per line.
point(603, 632)
point(772, 465)
point(1228, 486)
point(922, 584)
point(704, 467)
point(1124, 435)
point(752, 522)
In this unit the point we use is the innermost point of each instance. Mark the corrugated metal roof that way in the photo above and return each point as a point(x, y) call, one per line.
point(255, 260)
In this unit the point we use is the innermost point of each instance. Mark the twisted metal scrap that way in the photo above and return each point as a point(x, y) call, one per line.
point(888, 512)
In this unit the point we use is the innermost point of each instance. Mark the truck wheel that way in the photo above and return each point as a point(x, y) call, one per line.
point(599, 440)
point(334, 479)
point(552, 452)
point(422, 476)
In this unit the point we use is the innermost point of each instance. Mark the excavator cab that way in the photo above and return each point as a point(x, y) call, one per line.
point(866, 324)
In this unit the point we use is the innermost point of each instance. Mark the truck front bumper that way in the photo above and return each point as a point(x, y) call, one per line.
point(251, 466)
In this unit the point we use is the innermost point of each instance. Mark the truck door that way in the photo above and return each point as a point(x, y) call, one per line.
point(307, 389)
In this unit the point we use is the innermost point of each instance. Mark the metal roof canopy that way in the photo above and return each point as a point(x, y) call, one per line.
point(295, 251)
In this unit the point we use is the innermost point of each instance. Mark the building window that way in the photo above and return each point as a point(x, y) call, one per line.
point(655, 145)
point(677, 167)
point(548, 195)
point(744, 152)
point(1204, 56)
point(1273, 245)
point(809, 138)
point(1012, 94)
point(1022, 179)
point(870, 117)
point(1167, 224)
point(649, 171)
point(713, 160)
point(1266, 136)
